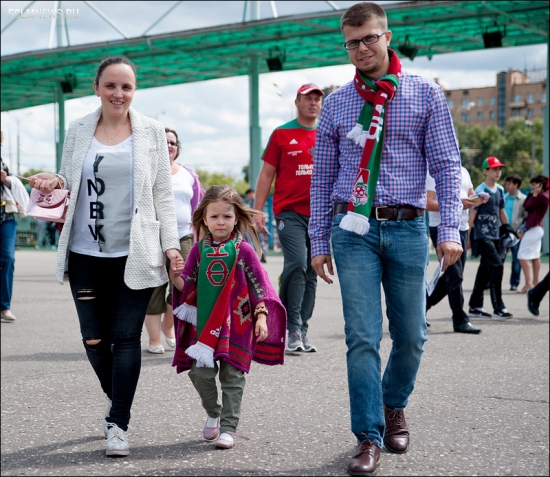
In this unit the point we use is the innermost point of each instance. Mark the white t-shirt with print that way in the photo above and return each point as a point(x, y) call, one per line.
point(101, 224)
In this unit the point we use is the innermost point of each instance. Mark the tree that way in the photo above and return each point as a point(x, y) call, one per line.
point(513, 148)
point(209, 179)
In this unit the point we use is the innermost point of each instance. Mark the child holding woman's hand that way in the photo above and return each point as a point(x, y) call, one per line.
point(228, 312)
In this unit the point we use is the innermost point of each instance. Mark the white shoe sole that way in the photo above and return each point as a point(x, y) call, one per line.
point(501, 318)
point(297, 348)
point(117, 452)
point(156, 349)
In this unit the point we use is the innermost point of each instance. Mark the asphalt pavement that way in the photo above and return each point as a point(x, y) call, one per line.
point(480, 405)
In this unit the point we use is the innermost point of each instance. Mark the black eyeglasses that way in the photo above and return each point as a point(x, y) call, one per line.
point(368, 40)
point(172, 143)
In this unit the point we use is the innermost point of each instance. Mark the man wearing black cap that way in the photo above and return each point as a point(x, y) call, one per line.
point(288, 158)
point(484, 222)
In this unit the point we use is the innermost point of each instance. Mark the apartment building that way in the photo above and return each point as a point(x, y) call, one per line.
point(517, 94)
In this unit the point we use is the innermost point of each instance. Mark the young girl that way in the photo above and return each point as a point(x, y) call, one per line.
point(227, 308)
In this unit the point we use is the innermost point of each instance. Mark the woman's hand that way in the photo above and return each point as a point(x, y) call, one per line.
point(44, 182)
point(176, 260)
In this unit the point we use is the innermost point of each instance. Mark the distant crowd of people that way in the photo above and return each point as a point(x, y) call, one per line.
point(143, 244)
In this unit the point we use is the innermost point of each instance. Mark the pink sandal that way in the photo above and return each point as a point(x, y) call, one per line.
point(210, 433)
point(226, 441)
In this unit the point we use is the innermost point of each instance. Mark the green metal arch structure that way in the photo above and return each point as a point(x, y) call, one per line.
point(308, 41)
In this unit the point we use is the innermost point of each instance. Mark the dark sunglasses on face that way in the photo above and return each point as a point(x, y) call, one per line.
point(172, 143)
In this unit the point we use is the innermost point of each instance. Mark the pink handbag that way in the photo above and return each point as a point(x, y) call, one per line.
point(51, 206)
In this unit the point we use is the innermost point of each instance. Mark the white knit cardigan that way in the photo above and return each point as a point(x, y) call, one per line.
point(153, 228)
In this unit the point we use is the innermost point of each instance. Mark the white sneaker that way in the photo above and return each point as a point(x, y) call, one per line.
point(117, 444)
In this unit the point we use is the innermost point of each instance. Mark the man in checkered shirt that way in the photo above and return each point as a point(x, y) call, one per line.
point(418, 137)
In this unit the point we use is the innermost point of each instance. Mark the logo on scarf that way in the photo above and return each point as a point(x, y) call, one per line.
point(216, 332)
point(217, 273)
point(360, 195)
point(218, 252)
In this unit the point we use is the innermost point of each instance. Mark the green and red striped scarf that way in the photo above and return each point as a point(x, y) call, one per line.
point(369, 134)
point(216, 273)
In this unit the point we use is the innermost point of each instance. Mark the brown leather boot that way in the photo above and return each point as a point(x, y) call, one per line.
point(366, 459)
point(396, 437)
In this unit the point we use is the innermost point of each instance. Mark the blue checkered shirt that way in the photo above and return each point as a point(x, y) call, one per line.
point(419, 135)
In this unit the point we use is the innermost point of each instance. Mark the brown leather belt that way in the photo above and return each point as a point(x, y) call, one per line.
point(384, 213)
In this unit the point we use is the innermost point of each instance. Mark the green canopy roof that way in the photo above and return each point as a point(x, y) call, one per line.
point(308, 41)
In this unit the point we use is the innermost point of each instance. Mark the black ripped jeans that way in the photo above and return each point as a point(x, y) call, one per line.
point(110, 311)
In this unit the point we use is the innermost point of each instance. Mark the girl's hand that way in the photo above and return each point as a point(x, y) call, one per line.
point(261, 328)
point(180, 264)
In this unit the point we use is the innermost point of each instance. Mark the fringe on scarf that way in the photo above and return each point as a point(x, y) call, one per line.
point(203, 354)
point(187, 313)
point(355, 133)
point(354, 222)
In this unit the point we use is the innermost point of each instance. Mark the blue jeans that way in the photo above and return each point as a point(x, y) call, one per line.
point(394, 254)
point(515, 276)
point(7, 251)
point(298, 281)
point(109, 310)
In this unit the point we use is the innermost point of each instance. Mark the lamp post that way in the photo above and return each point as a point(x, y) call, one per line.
point(531, 127)
point(467, 107)
point(18, 147)
point(283, 97)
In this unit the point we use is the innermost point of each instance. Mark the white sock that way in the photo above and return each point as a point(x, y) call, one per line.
point(226, 436)
point(212, 422)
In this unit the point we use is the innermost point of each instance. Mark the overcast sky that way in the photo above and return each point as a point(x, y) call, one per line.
point(210, 117)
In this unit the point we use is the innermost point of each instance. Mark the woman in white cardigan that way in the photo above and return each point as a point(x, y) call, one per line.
point(120, 224)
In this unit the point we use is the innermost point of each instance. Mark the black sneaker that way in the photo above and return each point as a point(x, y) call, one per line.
point(502, 315)
point(533, 307)
point(478, 313)
point(513, 287)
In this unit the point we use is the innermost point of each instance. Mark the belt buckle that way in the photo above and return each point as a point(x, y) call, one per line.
point(380, 219)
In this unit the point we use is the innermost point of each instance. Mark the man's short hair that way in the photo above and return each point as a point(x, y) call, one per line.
point(248, 191)
point(514, 179)
point(358, 14)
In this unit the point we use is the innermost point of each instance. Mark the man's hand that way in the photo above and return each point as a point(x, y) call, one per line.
point(259, 220)
point(451, 251)
point(318, 264)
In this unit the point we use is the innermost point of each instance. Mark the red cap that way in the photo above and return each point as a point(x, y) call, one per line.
point(492, 162)
point(308, 88)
